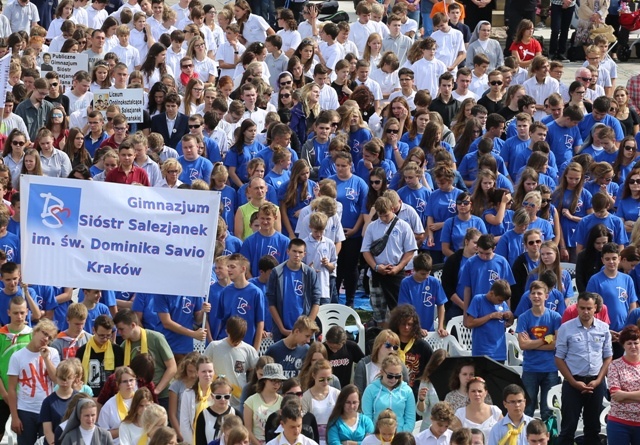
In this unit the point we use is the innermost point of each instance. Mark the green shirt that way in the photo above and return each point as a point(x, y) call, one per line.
point(160, 350)
point(11, 342)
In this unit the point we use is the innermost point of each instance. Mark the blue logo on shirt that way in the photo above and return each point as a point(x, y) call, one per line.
point(622, 294)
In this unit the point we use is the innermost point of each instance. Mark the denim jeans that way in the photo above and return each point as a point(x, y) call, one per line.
point(619, 433)
point(427, 24)
point(573, 404)
point(560, 23)
point(543, 381)
point(30, 427)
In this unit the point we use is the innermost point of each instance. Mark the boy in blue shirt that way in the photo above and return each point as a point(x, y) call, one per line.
point(266, 241)
point(193, 165)
point(221, 277)
point(425, 293)
point(266, 264)
point(515, 144)
point(536, 331)
point(179, 314)
point(600, 203)
point(487, 316)
point(242, 299)
point(10, 273)
point(9, 242)
point(94, 308)
point(617, 291)
point(563, 134)
point(291, 350)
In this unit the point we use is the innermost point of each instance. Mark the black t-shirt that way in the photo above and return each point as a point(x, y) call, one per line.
point(416, 360)
point(97, 374)
point(342, 361)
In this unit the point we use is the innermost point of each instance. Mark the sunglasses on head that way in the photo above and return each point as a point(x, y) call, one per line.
point(222, 396)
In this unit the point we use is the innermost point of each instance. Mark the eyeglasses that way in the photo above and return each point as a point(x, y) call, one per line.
point(391, 346)
point(608, 179)
point(187, 66)
point(53, 84)
point(286, 96)
point(292, 393)
point(18, 143)
point(393, 376)
point(390, 131)
point(630, 148)
point(120, 128)
point(528, 204)
point(580, 92)
point(634, 181)
point(195, 125)
point(532, 243)
point(496, 82)
point(586, 79)
point(375, 181)
point(325, 379)
point(463, 203)
point(285, 83)
point(222, 396)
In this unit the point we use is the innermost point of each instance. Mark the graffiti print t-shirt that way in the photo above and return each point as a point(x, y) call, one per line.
point(34, 385)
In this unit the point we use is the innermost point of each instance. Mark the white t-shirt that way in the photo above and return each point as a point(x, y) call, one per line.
point(96, 17)
point(54, 27)
point(130, 56)
point(427, 73)
point(81, 16)
point(173, 60)
point(79, 102)
point(204, 68)
point(359, 34)
point(388, 81)
point(226, 53)
point(255, 29)
point(449, 44)
point(34, 385)
point(290, 39)
point(136, 40)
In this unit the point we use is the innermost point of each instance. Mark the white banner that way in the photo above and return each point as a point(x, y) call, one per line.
point(118, 237)
point(130, 101)
point(68, 64)
point(4, 77)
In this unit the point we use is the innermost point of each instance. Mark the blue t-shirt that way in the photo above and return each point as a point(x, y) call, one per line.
point(276, 180)
point(613, 223)
point(99, 309)
point(510, 151)
point(388, 166)
point(469, 166)
point(415, 142)
point(271, 196)
point(562, 141)
point(290, 359)
point(416, 198)
point(593, 187)
point(424, 297)
point(14, 227)
point(181, 309)
point(504, 226)
point(10, 244)
point(215, 290)
point(240, 160)
point(268, 321)
point(5, 301)
point(322, 151)
point(479, 274)
point(569, 227)
point(293, 296)
point(107, 297)
point(587, 123)
point(441, 206)
point(510, 245)
point(488, 339)
point(211, 146)
point(229, 205)
point(538, 327)
point(617, 293)
point(267, 153)
point(257, 245)
point(454, 230)
point(144, 303)
point(247, 303)
point(545, 227)
point(291, 210)
point(200, 168)
point(357, 139)
point(327, 168)
point(352, 194)
point(388, 153)
point(628, 209)
point(565, 279)
point(232, 244)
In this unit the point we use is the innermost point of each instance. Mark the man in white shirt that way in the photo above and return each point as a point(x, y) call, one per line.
point(540, 85)
point(249, 96)
point(428, 69)
point(363, 68)
point(97, 14)
point(451, 49)
point(328, 96)
point(79, 96)
point(22, 15)
point(406, 77)
point(463, 80)
point(363, 28)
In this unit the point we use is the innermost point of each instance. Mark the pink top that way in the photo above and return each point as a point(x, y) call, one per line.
point(624, 376)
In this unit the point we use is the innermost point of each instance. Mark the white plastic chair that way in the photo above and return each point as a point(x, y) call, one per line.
point(463, 335)
point(337, 315)
point(448, 343)
point(265, 344)
point(554, 401)
point(571, 268)
point(514, 353)
point(438, 275)
point(603, 417)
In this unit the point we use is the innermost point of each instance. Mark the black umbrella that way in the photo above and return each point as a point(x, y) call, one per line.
point(495, 374)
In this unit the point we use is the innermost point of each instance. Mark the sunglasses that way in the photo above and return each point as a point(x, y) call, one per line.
point(325, 379)
point(634, 181)
point(187, 66)
point(532, 243)
point(53, 84)
point(18, 143)
point(109, 118)
point(546, 201)
point(463, 203)
point(222, 396)
point(57, 115)
point(376, 181)
point(297, 393)
point(586, 79)
point(390, 346)
point(528, 204)
point(496, 82)
point(172, 172)
point(390, 131)
point(613, 110)
point(393, 376)
point(630, 148)
point(195, 126)
point(286, 96)
point(288, 82)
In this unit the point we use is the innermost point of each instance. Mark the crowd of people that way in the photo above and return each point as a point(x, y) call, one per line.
point(347, 156)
